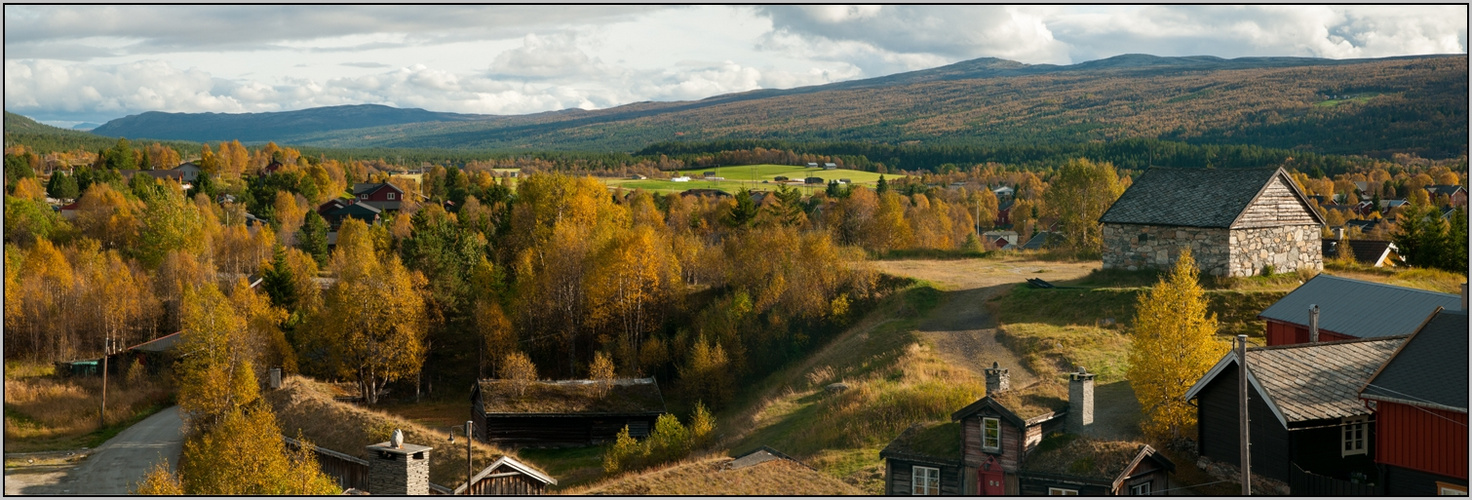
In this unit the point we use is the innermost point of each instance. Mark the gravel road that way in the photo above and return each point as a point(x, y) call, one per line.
point(113, 468)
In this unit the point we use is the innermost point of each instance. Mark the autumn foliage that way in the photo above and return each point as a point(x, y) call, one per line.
point(1174, 344)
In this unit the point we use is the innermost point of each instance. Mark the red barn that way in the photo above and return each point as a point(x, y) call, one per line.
point(1420, 401)
point(1350, 309)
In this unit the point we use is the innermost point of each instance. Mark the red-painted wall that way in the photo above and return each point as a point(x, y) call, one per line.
point(1419, 438)
point(1280, 333)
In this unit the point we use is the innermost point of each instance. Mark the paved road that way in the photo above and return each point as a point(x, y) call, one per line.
point(118, 465)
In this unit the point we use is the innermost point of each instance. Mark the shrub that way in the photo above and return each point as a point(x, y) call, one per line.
point(518, 368)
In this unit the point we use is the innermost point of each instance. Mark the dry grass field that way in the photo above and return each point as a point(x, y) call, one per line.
point(707, 476)
point(44, 412)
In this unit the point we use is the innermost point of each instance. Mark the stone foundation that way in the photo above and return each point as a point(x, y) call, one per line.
point(1218, 251)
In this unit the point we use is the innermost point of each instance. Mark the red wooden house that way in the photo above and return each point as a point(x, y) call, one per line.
point(1350, 309)
point(381, 195)
point(1420, 402)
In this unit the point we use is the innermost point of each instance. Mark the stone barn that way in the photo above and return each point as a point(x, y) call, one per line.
point(1237, 222)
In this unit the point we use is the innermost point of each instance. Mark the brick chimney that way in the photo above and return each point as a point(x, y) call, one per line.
point(400, 470)
point(1080, 402)
point(997, 380)
point(1313, 323)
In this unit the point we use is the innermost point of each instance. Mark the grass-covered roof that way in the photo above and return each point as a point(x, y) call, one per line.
point(639, 395)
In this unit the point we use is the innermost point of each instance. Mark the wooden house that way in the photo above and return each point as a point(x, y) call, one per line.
point(1304, 411)
point(1236, 221)
point(384, 196)
point(1350, 309)
point(1072, 465)
point(926, 460)
point(1456, 195)
point(1374, 253)
point(1004, 211)
point(188, 171)
point(565, 412)
point(363, 211)
point(271, 168)
point(1420, 402)
point(505, 476)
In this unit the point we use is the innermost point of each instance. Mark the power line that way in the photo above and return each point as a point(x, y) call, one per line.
point(1434, 414)
point(1193, 486)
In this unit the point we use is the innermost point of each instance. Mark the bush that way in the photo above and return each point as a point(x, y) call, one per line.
point(669, 442)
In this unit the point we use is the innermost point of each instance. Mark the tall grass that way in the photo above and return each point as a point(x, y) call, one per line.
point(39, 407)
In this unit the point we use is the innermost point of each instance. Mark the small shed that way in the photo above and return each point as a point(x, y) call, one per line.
point(1070, 465)
point(830, 166)
point(564, 412)
point(925, 460)
point(505, 476)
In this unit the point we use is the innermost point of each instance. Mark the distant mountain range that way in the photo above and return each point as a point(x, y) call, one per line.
point(1365, 106)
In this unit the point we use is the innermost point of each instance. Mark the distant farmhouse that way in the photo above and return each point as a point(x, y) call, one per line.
point(1236, 221)
point(564, 412)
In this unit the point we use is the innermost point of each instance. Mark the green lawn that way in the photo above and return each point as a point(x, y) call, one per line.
point(754, 177)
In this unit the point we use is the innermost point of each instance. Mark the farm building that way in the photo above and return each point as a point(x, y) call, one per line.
point(1420, 402)
point(565, 412)
point(987, 447)
point(1375, 253)
point(1086, 466)
point(1304, 411)
point(1350, 309)
point(350, 448)
point(1236, 221)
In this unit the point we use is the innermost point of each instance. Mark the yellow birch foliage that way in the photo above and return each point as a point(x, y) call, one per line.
point(601, 371)
point(519, 369)
point(215, 369)
point(246, 456)
point(1174, 344)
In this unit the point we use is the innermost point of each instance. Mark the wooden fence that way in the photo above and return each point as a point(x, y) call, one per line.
point(349, 471)
point(1304, 483)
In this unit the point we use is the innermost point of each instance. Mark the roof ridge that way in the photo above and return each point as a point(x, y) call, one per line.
point(1335, 342)
point(1366, 282)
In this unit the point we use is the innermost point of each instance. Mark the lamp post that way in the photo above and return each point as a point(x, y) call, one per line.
point(469, 432)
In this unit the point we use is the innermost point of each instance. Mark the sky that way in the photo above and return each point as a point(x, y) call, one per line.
point(69, 64)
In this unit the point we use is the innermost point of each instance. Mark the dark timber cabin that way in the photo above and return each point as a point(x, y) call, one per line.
point(1303, 407)
point(565, 412)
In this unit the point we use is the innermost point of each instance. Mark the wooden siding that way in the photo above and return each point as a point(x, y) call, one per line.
point(972, 453)
point(1400, 481)
point(1276, 206)
point(1422, 439)
point(1217, 427)
point(512, 483)
point(1280, 333)
point(1319, 449)
point(348, 471)
point(898, 476)
point(562, 430)
point(1147, 471)
point(1035, 484)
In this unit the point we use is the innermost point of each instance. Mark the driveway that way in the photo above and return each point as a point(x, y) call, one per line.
point(114, 468)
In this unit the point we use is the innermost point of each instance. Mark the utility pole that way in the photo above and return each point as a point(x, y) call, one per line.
point(1242, 414)
point(469, 468)
point(102, 410)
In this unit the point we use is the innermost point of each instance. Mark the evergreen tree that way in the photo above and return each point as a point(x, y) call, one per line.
point(62, 187)
point(279, 283)
point(744, 212)
point(17, 167)
point(312, 237)
point(883, 186)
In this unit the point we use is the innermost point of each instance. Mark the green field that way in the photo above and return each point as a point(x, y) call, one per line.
point(754, 177)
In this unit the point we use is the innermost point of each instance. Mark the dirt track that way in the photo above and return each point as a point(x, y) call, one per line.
point(114, 468)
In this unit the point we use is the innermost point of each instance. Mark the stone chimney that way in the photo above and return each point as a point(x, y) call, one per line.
point(1313, 323)
point(997, 380)
point(398, 471)
point(1080, 402)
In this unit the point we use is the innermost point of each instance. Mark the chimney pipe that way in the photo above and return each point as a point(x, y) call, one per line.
point(1080, 402)
point(1339, 233)
point(1313, 323)
point(1464, 296)
point(997, 380)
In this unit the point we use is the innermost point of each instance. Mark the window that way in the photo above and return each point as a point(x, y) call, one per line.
point(1450, 489)
point(1355, 429)
point(991, 433)
point(390, 196)
point(1141, 489)
point(362, 196)
point(924, 480)
point(1144, 237)
point(1061, 491)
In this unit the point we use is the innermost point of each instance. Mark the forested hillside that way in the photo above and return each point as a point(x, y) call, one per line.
point(1414, 105)
point(262, 127)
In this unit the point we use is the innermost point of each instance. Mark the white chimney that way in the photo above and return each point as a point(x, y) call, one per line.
point(1339, 233)
point(1080, 401)
point(1313, 323)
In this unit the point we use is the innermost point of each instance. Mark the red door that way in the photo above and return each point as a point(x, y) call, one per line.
point(991, 477)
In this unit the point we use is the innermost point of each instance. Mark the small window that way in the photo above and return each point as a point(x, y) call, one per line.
point(390, 196)
point(1449, 489)
point(1144, 237)
point(362, 196)
point(1062, 491)
point(924, 480)
point(1354, 433)
point(1141, 489)
point(991, 433)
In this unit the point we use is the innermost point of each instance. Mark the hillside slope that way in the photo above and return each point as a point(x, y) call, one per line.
point(1367, 106)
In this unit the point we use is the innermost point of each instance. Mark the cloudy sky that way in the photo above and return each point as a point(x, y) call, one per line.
point(92, 63)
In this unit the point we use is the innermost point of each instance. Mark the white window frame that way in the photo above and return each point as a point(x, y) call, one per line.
point(996, 423)
point(390, 196)
point(1141, 488)
point(924, 480)
point(1354, 437)
point(1449, 489)
point(1061, 491)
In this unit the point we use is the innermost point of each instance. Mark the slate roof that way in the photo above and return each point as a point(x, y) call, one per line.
point(1089, 458)
point(1446, 189)
point(1043, 239)
point(933, 442)
point(1192, 197)
point(1429, 369)
point(383, 205)
point(1359, 309)
point(1366, 251)
point(1365, 225)
point(760, 456)
point(1317, 381)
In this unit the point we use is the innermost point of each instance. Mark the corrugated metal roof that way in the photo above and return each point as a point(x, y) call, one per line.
point(1318, 381)
point(1431, 368)
point(1360, 309)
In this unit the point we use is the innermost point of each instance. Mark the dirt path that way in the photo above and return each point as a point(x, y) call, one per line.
point(113, 468)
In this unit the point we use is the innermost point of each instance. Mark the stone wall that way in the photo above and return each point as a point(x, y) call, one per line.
point(398, 473)
point(1286, 248)
point(1124, 249)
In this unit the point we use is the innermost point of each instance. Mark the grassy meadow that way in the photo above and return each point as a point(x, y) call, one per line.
point(44, 412)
